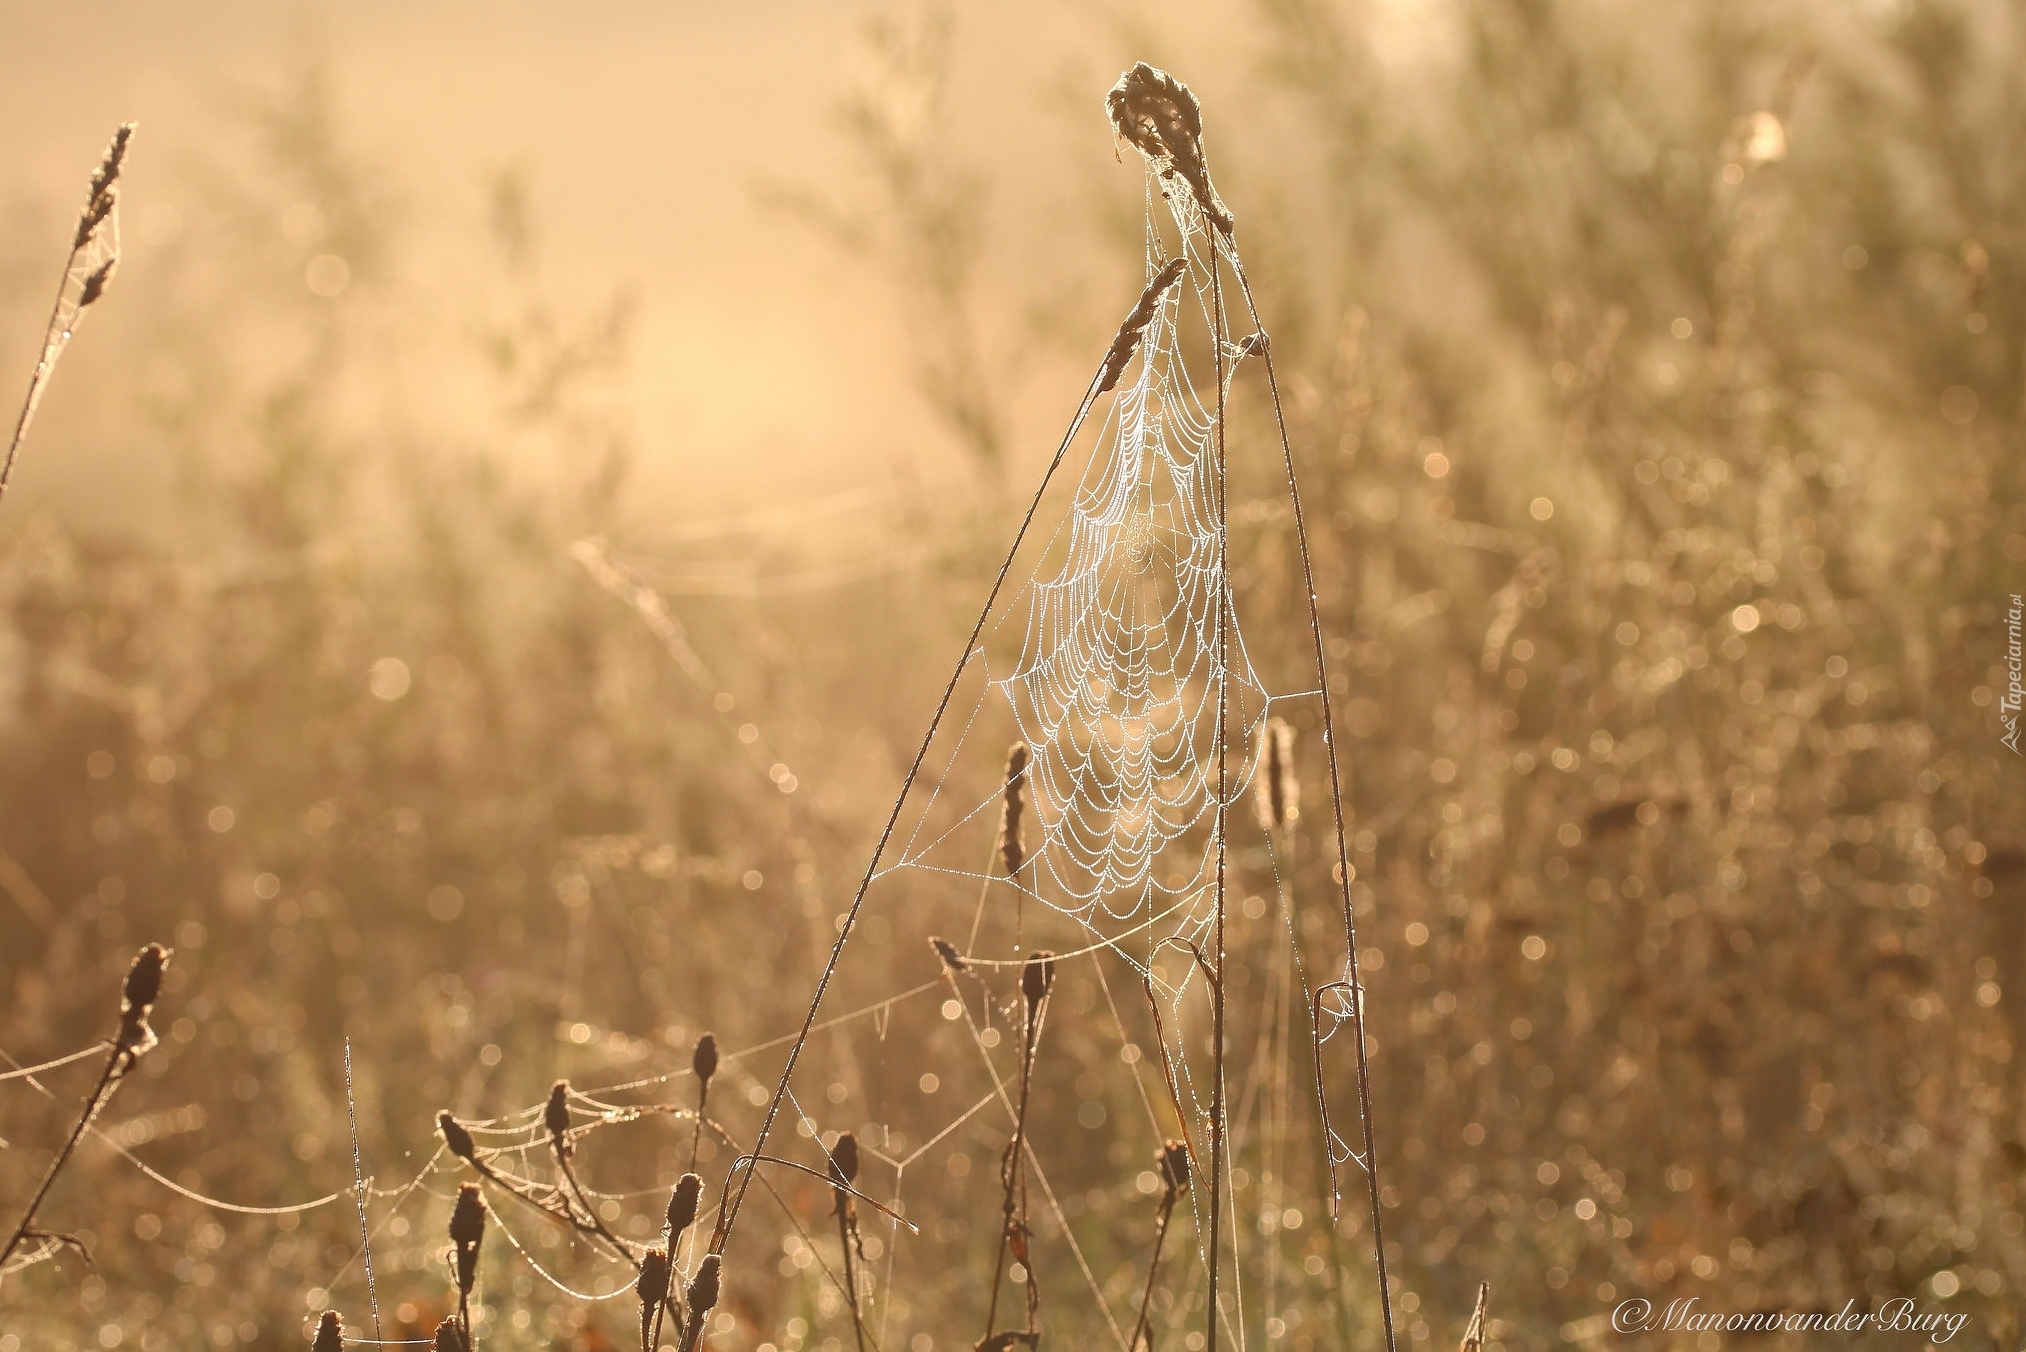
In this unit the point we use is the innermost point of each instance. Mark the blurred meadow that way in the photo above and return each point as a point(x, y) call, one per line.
point(479, 577)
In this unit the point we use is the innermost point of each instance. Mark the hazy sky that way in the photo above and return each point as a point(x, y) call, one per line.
point(766, 362)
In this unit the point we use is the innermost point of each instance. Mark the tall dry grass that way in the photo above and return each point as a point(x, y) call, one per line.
point(1662, 392)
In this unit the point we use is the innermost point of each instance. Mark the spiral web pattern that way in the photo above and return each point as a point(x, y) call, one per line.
point(1104, 659)
point(1114, 689)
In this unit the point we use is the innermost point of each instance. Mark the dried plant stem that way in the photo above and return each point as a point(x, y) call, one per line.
point(359, 1193)
point(1140, 1328)
point(134, 1038)
point(1370, 1154)
point(1036, 977)
point(1218, 1126)
point(102, 1090)
point(1174, 1160)
point(554, 1207)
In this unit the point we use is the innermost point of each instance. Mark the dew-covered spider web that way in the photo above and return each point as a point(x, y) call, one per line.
point(1086, 1061)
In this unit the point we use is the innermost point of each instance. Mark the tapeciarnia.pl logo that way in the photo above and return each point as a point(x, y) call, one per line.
point(1903, 1315)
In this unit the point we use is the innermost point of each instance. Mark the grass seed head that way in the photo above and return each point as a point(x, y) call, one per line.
point(1160, 117)
point(330, 1333)
point(1276, 794)
point(99, 204)
point(1127, 340)
point(1174, 1161)
point(1037, 975)
point(682, 1205)
point(144, 977)
point(456, 1137)
point(95, 285)
point(1012, 852)
point(653, 1282)
point(705, 1061)
point(844, 1159)
point(556, 1117)
point(947, 951)
point(703, 1288)
point(449, 1337)
point(467, 1232)
point(144, 983)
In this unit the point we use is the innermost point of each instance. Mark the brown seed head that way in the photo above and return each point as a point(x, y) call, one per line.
point(1160, 116)
point(705, 1062)
point(948, 953)
point(1127, 340)
point(653, 1283)
point(330, 1333)
point(703, 1288)
point(1036, 976)
point(144, 977)
point(99, 204)
point(1276, 794)
point(556, 1117)
point(844, 1158)
point(1012, 852)
point(682, 1205)
point(456, 1137)
point(95, 285)
point(467, 1232)
point(449, 1337)
point(1174, 1159)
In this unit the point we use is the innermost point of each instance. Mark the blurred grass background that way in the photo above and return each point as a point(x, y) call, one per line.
point(1658, 375)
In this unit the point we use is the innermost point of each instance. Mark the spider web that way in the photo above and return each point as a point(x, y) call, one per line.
point(1112, 651)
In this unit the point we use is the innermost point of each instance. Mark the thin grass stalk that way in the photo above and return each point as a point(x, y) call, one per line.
point(359, 1194)
point(1371, 1160)
point(1174, 1161)
point(133, 1039)
point(844, 1170)
point(1037, 976)
point(557, 1211)
point(1218, 1126)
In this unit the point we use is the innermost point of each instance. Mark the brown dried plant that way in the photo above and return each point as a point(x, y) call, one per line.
point(132, 1039)
point(94, 253)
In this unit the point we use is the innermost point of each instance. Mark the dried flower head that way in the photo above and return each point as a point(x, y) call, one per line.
point(1276, 794)
point(682, 1205)
point(143, 985)
point(1037, 974)
point(556, 1116)
point(1174, 1162)
point(330, 1333)
point(844, 1159)
point(703, 1288)
point(456, 1137)
point(653, 1283)
point(467, 1232)
point(144, 977)
point(1011, 851)
point(449, 1337)
point(1160, 116)
point(705, 1061)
